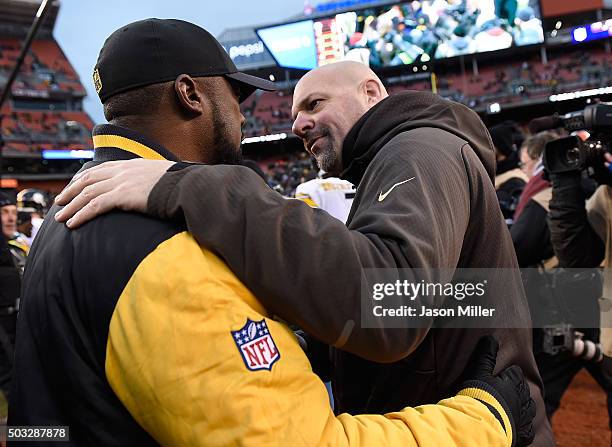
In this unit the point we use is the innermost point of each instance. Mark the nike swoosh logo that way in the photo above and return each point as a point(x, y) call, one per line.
point(382, 196)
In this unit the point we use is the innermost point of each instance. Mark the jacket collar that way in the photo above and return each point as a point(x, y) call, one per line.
point(411, 110)
point(118, 143)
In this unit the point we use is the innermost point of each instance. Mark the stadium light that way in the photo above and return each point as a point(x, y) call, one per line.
point(66, 154)
point(580, 94)
point(41, 8)
point(580, 34)
point(265, 138)
point(494, 108)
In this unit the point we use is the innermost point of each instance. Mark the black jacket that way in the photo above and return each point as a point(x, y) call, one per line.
point(10, 285)
point(531, 236)
point(425, 200)
point(73, 283)
point(575, 242)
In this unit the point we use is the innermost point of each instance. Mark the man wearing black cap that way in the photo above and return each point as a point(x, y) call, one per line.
point(130, 333)
point(10, 285)
point(8, 217)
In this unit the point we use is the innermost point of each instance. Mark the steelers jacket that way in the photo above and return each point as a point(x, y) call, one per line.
point(130, 333)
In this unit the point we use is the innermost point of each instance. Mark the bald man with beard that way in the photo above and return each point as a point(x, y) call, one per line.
point(425, 203)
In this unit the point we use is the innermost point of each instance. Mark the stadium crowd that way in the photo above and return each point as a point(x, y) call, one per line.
point(512, 84)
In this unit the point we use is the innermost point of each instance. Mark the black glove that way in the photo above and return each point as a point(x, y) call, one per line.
point(509, 388)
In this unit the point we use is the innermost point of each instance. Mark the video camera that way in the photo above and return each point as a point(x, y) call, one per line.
point(564, 338)
point(571, 153)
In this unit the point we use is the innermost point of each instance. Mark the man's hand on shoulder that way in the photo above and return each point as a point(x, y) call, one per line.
point(124, 184)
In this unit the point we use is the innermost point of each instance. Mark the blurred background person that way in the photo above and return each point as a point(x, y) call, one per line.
point(10, 287)
point(581, 235)
point(24, 223)
point(331, 194)
point(532, 242)
point(530, 232)
point(17, 247)
point(39, 202)
point(509, 178)
point(8, 214)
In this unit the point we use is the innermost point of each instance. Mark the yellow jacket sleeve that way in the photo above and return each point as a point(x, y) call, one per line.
point(185, 360)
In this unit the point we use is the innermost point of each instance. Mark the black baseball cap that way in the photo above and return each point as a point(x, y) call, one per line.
point(7, 199)
point(152, 51)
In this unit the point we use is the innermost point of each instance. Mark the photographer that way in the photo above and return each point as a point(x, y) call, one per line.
point(529, 232)
point(578, 235)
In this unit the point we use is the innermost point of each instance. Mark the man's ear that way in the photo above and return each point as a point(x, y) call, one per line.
point(189, 96)
point(373, 91)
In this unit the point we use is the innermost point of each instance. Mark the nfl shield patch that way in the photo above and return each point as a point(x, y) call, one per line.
point(256, 345)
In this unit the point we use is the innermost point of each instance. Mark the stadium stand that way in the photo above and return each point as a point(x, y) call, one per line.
point(521, 81)
point(44, 110)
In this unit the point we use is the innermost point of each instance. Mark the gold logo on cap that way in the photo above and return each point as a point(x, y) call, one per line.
point(97, 81)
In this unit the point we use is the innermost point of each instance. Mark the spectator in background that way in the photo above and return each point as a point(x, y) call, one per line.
point(509, 179)
point(24, 222)
point(581, 235)
point(532, 241)
point(532, 150)
point(8, 214)
point(12, 260)
point(331, 194)
point(10, 286)
point(530, 232)
point(38, 201)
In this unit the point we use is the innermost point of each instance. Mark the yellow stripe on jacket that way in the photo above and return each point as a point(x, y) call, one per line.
point(173, 362)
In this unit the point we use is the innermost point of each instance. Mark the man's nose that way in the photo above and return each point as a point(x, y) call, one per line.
point(302, 124)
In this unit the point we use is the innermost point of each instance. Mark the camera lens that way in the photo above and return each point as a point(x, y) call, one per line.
point(572, 157)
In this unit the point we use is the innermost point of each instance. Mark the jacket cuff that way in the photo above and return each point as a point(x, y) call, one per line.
point(489, 396)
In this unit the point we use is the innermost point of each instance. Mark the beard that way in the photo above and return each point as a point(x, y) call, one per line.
point(226, 151)
point(327, 158)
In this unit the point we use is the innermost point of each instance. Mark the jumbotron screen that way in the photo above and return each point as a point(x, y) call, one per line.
point(405, 33)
